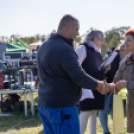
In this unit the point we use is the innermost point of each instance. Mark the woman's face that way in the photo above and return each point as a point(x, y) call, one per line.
point(129, 43)
point(98, 41)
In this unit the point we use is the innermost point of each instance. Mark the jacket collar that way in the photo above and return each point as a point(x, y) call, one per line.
point(68, 41)
point(130, 59)
point(88, 45)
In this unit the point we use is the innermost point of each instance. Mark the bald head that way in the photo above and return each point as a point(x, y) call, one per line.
point(68, 27)
point(67, 20)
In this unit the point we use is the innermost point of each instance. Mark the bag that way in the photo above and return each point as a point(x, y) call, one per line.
point(118, 114)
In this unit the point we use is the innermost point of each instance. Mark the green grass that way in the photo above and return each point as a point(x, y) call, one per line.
point(19, 124)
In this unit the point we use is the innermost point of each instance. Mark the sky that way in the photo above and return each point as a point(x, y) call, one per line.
point(31, 17)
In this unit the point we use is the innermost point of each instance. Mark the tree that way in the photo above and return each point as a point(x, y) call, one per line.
point(37, 37)
point(78, 39)
point(113, 37)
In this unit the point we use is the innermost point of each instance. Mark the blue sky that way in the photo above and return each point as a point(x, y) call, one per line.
point(31, 17)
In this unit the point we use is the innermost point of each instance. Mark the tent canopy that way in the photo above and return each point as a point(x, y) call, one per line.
point(13, 48)
point(33, 46)
point(37, 43)
point(17, 47)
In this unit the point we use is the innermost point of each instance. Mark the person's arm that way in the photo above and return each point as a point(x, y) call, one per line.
point(70, 64)
point(82, 54)
point(130, 85)
point(116, 80)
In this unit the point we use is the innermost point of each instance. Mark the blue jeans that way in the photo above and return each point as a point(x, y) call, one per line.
point(103, 114)
point(60, 121)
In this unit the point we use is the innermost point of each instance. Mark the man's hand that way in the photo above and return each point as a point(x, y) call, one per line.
point(121, 84)
point(107, 68)
point(105, 87)
point(108, 88)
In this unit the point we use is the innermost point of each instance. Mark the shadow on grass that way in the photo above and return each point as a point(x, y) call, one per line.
point(19, 121)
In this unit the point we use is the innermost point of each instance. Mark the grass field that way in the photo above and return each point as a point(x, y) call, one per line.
point(19, 124)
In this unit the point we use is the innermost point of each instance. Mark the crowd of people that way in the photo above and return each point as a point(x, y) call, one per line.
point(68, 78)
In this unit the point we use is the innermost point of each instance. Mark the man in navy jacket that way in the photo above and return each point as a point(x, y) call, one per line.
point(61, 79)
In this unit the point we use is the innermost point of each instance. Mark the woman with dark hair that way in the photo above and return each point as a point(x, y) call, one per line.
point(90, 58)
point(126, 72)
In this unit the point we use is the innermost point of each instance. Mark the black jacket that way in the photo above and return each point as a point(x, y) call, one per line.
point(60, 76)
point(90, 65)
point(114, 67)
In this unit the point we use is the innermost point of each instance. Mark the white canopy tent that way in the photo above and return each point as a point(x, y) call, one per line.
point(34, 45)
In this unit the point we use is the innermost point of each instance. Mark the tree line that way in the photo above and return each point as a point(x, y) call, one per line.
point(112, 38)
